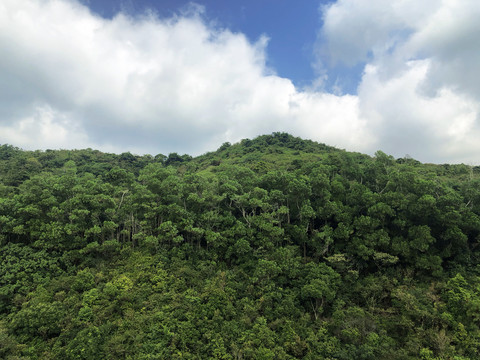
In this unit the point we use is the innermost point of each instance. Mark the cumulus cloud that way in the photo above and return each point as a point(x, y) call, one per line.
point(44, 128)
point(433, 128)
point(418, 90)
point(144, 84)
point(359, 30)
point(72, 79)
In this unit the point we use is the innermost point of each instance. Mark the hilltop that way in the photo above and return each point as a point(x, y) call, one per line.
point(271, 248)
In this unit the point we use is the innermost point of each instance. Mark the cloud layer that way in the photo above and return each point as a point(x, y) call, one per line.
point(419, 90)
point(71, 79)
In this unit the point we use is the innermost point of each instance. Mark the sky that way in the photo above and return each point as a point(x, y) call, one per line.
point(162, 76)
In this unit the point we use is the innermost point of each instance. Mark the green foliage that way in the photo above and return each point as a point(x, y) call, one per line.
point(271, 248)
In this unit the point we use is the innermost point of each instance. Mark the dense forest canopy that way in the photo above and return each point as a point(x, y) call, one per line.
point(272, 248)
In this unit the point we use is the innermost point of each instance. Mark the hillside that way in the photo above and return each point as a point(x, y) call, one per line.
point(272, 248)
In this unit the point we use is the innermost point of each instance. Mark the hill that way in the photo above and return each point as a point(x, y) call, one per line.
point(272, 248)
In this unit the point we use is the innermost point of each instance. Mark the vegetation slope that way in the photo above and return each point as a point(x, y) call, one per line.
point(272, 248)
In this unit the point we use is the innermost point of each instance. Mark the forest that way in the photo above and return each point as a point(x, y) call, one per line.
point(270, 248)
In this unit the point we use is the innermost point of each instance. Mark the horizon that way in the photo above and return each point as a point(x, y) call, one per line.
point(180, 76)
point(239, 142)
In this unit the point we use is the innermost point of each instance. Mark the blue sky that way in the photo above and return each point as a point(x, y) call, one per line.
point(170, 76)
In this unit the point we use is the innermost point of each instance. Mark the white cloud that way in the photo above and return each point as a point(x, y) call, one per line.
point(357, 30)
point(326, 116)
point(44, 128)
point(74, 79)
point(419, 90)
point(429, 128)
point(70, 78)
